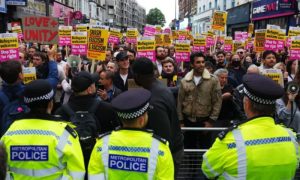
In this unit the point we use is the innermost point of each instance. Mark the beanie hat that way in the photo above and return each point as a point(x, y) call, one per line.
point(38, 93)
point(143, 66)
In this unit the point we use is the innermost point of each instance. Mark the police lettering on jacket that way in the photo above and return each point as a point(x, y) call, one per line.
point(29, 153)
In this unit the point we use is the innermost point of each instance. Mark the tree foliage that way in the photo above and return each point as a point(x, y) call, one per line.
point(156, 17)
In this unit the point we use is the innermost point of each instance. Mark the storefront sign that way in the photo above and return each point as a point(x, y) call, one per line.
point(266, 9)
point(16, 2)
point(239, 14)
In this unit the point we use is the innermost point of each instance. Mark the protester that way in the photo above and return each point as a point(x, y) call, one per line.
point(160, 56)
point(291, 68)
point(112, 66)
point(268, 60)
point(236, 71)
point(124, 73)
point(131, 55)
point(221, 61)
point(106, 90)
point(162, 118)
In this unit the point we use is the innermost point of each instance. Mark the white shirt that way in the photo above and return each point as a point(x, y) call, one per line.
point(159, 67)
point(197, 79)
point(124, 77)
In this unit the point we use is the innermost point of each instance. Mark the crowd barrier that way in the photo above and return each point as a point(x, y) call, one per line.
point(190, 167)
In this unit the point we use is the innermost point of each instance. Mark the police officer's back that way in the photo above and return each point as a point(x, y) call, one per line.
point(131, 152)
point(258, 148)
point(40, 146)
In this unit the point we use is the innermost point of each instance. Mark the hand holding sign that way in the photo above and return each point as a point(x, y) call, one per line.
point(52, 52)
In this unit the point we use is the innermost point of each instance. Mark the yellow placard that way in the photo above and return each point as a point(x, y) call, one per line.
point(180, 47)
point(281, 35)
point(158, 29)
point(167, 39)
point(199, 41)
point(275, 75)
point(294, 31)
point(131, 33)
point(97, 44)
point(219, 20)
point(17, 29)
point(78, 38)
point(81, 28)
point(237, 44)
point(146, 45)
point(271, 34)
point(115, 33)
point(29, 74)
point(159, 40)
point(259, 40)
point(295, 44)
point(174, 35)
point(251, 28)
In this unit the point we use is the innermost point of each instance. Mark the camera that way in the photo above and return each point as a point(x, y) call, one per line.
point(293, 88)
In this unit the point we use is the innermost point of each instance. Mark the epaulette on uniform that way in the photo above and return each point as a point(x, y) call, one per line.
point(222, 134)
point(104, 134)
point(160, 138)
point(71, 131)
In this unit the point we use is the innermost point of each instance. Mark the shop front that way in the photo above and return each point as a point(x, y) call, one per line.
point(276, 12)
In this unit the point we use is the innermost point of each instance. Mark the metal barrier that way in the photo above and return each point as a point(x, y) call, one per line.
point(190, 167)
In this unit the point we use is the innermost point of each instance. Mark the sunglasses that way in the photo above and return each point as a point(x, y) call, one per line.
point(241, 52)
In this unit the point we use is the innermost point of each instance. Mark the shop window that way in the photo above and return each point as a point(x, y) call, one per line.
point(216, 3)
point(224, 5)
point(232, 3)
point(209, 5)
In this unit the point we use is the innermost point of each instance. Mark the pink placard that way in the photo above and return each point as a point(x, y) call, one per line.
point(209, 41)
point(238, 36)
point(114, 40)
point(9, 54)
point(167, 30)
point(182, 56)
point(294, 54)
point(181, 37)
point(228, 47)
point(271, 44)
point(131, 40)
point(280, 44)
point(64, 40)
point(249, 45)
point(149, 31)
point(79, 49)
point(244, 36)
point(198, 49)
point(148, 54)
point(288, 42)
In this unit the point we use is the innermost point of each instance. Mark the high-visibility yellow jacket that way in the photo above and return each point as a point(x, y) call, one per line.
point(258, 149)
point(131, 154)
point(43, 149)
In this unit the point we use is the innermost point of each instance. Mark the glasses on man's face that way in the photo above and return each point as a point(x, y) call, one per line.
point(241, 52)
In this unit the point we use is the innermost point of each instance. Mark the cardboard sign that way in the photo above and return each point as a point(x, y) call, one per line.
point(81, 27)
point(228, 43)
point(219, 20)
point(131, 35)
point(275, 75)
point(64, 33)
point(295, 48)
point(146, 47)
point(114, 36)
point(259, 40)
point(79, 43)
point(18, 30)
point(29, 74)
point(40, 29)
point(97, 44)
point(149, 30)
point(9, 46)
point(182, 50)
point(199, 44)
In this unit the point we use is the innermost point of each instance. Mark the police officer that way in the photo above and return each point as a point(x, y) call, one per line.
point(40, 146)
point(257, 148)
point(131, 152)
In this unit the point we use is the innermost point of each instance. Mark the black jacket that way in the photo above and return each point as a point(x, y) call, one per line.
point(106, 116)
point(119, 83)
point(163, 119)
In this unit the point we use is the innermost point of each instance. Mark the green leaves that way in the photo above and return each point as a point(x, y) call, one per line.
point(156, 17)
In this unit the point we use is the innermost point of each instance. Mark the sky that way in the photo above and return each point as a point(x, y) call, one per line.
point(167, 7)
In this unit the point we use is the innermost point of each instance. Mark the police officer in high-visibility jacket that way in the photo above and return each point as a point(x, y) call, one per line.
point(40, 146)
point(131, 152)
point(256, 148)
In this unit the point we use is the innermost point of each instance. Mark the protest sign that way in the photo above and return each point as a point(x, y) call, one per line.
point(18, 30)
point(259, 40)
point(29, 74)
point(167, 39)
point(9, 46)
point(295, 48)
point(64, 33)
point(40, 29)
point(97, 44)
point(114, 36)
point(182, 34)
point(174, 35)
point(275, 75)
point(131, 35)
point(182, 50)
point(79, 43)
point(167, 31)
point(281, 39)
point(146, 47)
point(149, 30)
point(271, 39)
point(159, 40)
point(158, 29)
point(219, 20)
point(237, 44)
point(199, 44)
point(294, 31)
point(228, 43)
point(81, 27)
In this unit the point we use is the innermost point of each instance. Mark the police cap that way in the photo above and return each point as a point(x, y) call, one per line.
point(132, 103)
point(261, 89)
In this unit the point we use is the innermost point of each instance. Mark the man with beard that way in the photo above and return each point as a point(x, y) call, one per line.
point(160, 55)
point(46, 67)
point(221, 62)
point(268, 60)
point(169, 72)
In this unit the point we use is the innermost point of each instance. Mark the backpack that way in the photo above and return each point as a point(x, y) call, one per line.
point(12, 110)
point(87, 127)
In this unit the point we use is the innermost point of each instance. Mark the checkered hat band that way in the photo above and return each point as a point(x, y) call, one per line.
point(258, 99)
point(133, 115)
point(39, 98)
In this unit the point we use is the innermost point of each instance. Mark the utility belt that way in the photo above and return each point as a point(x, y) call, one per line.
point(195, 119)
